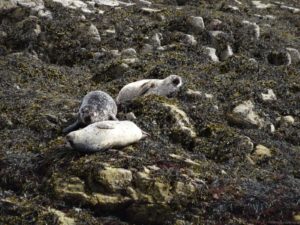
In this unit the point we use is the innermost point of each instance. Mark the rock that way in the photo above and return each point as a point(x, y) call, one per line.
point(130, 116)
point(244, 115)
point(70, 188)
point(270, 96)
point(260, 5)
point(161, 192)
point(61, 217)
point(295, 55)
point(287, 120)
point(215, 24)
point(143, 3)
point(189, 40)
point(129, 52)
point(225, 54)
point(114, 178)
point(150, 10)
point(254, 29)
point(109, 202)
point(112, 3)
point(262, 151)
point(279, 58)
point(147, 48)
point(130, 61)
point(93, 33)
point(194, 94)
point(5, 121)
point(156, 40)
point(182, 120)
point(291, 9)
point(211, 53)
point(196, 23)
point(184, 189)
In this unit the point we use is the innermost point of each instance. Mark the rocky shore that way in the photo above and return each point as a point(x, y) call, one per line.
point(224, 150)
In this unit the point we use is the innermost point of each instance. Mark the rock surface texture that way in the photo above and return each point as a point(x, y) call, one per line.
point(225, 149)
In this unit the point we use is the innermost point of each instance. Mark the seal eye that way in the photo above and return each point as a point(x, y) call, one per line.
point(175, 81)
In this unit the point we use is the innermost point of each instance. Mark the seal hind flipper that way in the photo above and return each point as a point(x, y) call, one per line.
point(113, 117)
point(146, 87)
point(72, 127)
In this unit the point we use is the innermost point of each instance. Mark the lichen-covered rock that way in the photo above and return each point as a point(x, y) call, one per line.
point(114, 178)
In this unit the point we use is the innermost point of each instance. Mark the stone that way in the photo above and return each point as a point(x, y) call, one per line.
point(130, 116)
point(93, 33)
point(254, 29)
point(211, 53)
point(291, 9)
point(130, 61)
point(288, 120)
point(112, 3)
point(262, 151)
point(184, 189)
point(150, 10)
point(156, 40)
point(61, 217)
point(244, 114)
point(189, 40)
point(225, 54)
point(196, 23)
point(129, 52)
point(270, 96)
point(147, 48)
point(114, 178)
point(295, 55)
point(260, 5)
point(109, 201)
point(182, 120)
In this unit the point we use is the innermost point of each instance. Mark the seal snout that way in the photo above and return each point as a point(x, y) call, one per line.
point(176, 82)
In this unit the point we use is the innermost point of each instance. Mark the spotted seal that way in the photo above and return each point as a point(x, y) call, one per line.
point(95, 106)
point(163, 87)
point(104, 135)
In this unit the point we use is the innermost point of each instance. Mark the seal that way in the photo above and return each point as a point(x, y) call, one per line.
point(95, 106)
point(163, 87)
point(104, 135)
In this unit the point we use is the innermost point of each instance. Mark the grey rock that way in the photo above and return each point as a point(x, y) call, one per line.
point(196, 23)
point(253, 29)
point(211, 53)
point(270, 96)
point(129, 52)
point(279, 58)
point(93, 33)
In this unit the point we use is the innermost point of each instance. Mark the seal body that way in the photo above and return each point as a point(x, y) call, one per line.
point(104, 135)
point(95, 106)
point(164, 87)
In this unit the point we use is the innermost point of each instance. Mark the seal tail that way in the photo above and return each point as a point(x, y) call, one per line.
point(72, 127)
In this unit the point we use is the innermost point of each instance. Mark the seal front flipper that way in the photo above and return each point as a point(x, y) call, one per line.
point(72, 127)
point(146, 87)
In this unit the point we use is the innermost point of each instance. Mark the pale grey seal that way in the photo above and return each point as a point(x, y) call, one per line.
point(96, 106)
point(104, 135)
point(163, 87)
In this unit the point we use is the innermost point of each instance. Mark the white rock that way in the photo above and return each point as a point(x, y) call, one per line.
point(112, 3)
point(291, 9)
point(189, 40)
point(94, 33)
point(129, 52)
point(143, 3)
point(156, 40)
point(233, 8)
point(246, 112)
point(211, 52)
point(130, 61)
point(196, 22)
point(270, 96)
point(45, 14)
point(267, 17)
point(193, 93)
point(226, 53)
point(295, 55)
point(262, 151)
point(150, 10)
point(260, 5)
point(208, 96)
point(254, 28)
point(288, 120)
